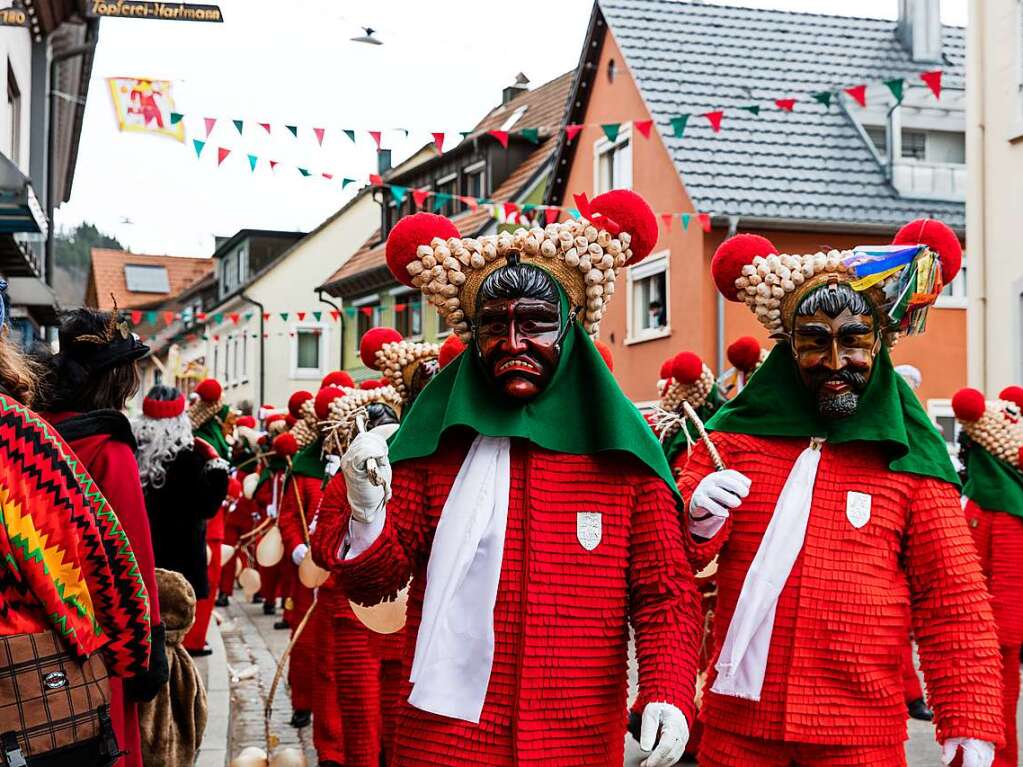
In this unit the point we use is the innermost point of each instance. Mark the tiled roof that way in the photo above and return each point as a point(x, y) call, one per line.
point(106, 276)
point(812, 164)
point(544, 107)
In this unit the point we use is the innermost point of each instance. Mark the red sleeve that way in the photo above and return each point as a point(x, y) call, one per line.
point(301, 495)
point(664, 601)
point(952, 619)
point(695, 467)
point(331, 524)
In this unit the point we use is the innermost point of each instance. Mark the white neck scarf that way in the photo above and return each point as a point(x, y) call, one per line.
point(455, 645)
point(743, 660)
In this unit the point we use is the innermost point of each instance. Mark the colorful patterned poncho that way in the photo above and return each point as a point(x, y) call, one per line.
point(65, 561)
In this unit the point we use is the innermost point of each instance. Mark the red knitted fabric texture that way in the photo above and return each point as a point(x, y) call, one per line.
point(557, 691)
point(719, 748)
point(844, 614)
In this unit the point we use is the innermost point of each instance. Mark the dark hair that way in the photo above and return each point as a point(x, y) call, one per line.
point(518, 280)
point(833, 300)
point(163, 393)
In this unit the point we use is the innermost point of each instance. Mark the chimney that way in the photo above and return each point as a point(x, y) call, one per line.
point(383, 161)
point(521, 85)
point(919, 29)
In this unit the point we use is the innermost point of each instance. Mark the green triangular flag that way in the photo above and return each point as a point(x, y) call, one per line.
point(398, 193)
point(895, 86)
point(528, 208)
point(439, 201)
point(248, 316)
point(573, 212)
point(238, 125)
point(678, 125)
point(198, 146)
point(753, 109)
point(611, 130)
point(205, 337)
point(150, 317)
point(824, 97)
point(465, 134)
point(685, 220)
point(252, 161)
point(176, 117)
point(293, 129)
point(350, 134)
point(532, 135)
point(284, 316)
point(350, 311)
point(303, 171)
point(317, 316)
point(218, 317)
point(346, 181)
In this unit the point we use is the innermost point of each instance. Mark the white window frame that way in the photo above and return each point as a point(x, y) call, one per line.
point(654, 264)
point(481, 168)
point(958, 298)
point(397, 294)
point(601, 147)
point(245, 357)
point(943, 408)
point(304, 374)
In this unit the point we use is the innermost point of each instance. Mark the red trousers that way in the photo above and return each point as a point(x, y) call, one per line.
point(196, 637)
point(910, 680)
point(271, 582)
point(305, 660)
point(723, 749)
point(328, 735)
point(125, 718)
point(1008, 756)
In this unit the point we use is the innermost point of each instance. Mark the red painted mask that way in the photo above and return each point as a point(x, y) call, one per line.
point(518, 340)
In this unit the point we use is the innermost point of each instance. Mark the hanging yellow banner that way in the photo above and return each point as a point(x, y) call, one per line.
point(142, 105)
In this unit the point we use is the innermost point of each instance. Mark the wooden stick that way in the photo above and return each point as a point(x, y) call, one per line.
point(268, 708)
point(301, 507)
point(714, 455)
point(255, 531)
point(371, 464)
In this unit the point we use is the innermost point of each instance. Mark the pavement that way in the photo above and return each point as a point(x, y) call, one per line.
point(241, 669)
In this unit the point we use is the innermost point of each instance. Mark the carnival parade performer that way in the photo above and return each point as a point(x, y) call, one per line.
point(244, 515)
point(685, 378)
point(264, 488)
point(991, 445)
point(836, 522)
point(89, 383)
point(523, 467)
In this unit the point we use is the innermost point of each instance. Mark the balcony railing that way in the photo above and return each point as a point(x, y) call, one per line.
point(940, 181)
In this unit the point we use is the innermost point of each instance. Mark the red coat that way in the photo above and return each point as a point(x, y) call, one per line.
point(834, 671)
point(557, 692)
point(999, 540)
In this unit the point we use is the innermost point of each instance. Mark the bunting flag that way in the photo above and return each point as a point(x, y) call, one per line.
point(611, 131)
point(933, 81)
point(896, 86)
point(685, 220)
point(304, 172)
point(176, 117)
point(714, 118)
point(824, 97)
point(252, 162)
point(375, 135)
point(501, 136)
point(667, 218)
point(210, 123)
point(350, 134)
point(319, 132)
point(419, 196)
point(532, 135)
point(266, 127)
point(222, 154)
point(643, 126)
point(239, 126)
point(438, 141)
point(198, 146)
point(273, 164)
point(571, 131)
point(785, 105)
point(753, 109)
point(293, 129)
point(678, 125)
point(858, 94)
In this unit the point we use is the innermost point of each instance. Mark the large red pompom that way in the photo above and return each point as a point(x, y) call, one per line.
point(324, 397)
point(605, 352)
point(408, 234)
point(449, 350)
point(938, 237)
point(632, 213)
point(295, 402)
point(1013, 394)
point(666, 368)
point(246, 421)
point(744, 353)
point(234, 489)
point(337, 378)
point(686, 368)
point(370, 384)
point(209, 390)
point(373, 341)
point(290, 420)
point(968, 405)
point(285, 445)
point(733, 254)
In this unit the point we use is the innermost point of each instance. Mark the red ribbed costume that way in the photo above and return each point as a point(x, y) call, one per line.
point(557, 692)
point(273, 582)
point(195, 640)
point(834, 671)
point(999, 539)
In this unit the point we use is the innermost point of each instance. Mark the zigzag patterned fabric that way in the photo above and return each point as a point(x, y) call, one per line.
point(65, 561)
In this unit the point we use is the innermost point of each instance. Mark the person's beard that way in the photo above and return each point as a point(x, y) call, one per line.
point(844, 404)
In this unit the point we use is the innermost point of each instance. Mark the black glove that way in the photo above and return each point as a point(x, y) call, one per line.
point(147, 685)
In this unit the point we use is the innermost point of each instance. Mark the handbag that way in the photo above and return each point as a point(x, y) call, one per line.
point(51, 701)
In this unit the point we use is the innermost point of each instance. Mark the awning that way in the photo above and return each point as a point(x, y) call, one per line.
point(36, 296)
point(20, 210)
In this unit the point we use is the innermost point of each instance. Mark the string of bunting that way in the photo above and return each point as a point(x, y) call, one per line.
point(154, 317)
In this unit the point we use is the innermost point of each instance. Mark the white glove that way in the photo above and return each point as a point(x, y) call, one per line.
point(271, 511)
point(976, 753)
point(713, 499)
point(332, 464)
point(671, 723)
point(298, 553)
point(365, 498)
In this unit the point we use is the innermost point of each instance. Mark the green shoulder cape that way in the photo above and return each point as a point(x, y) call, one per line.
point(775, 403)
point(308, 462)
point(212, 433)
point(993, 484)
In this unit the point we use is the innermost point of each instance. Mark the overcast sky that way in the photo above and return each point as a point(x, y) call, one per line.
point(442, 67)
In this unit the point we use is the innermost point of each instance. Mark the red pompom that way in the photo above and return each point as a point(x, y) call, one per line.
point(373, 341)
point(968, 405)
point(686, 368)
point(275, 417)
point(733, 254)
point(290, 420)
point(285, 445)
point(234, 489)
point(337, 378)
point(605, 352)
point(295, 402)
point(385, 381)
point(408, 234)
point(247, 421)
point(324, 397)
point(632, 213)
point(370, 384)
point(937, 236)
point(1013, 394)
point(744, 353)
point(209, 390)
point(1019, 457)
point(449, 350)
point(666, 368)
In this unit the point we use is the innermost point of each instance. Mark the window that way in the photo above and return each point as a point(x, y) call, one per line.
point(141, 278)
point(233, 270)
point(648, 299)
point(472, 181)
point(368, 315)
point(940, 411)
point(513, 118)
point(408, 314)
point(13, 116)
point(936, 146)
point(446, 189)
point(245, 357)
point(613, 163)
point(308, 351)
point(953, 295)
point(878, 134)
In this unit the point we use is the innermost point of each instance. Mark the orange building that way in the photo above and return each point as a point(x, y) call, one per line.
point(811, 179)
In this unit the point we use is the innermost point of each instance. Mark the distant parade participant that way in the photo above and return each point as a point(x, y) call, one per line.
point(244, 515)
point(532, 508)
point(184, 486)
point(264, 487)
point(833, 510)
point(685, 378)
point(90, 381)
point(992, 456)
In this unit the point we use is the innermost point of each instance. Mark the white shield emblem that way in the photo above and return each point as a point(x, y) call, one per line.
point(857, 509)
point(588, 529)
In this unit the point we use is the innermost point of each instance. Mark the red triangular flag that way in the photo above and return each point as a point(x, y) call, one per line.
point(210, 122)
point(201, 316)
point(470, 201)
point(933, 80)
point(859, 93)
point(705, 221)
point(266, 316)
point(571, 131)
point(420, 195)
point(319, 135)
point(168, 317)
point(265, 126)
point(300, 315)
point(216, 338)
point(786, 105)
point(438, 140)
point(334, 314)
point(643, 126)
point(376, 179)
point(666, 218)
point(222, 153)
point(550, 214)
point(510, 209)
point(234, 317)
point(327, 176)
point(501, 136)
point(273, 164)
point(136, 317)
point(714, 118)
point(376, 137)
